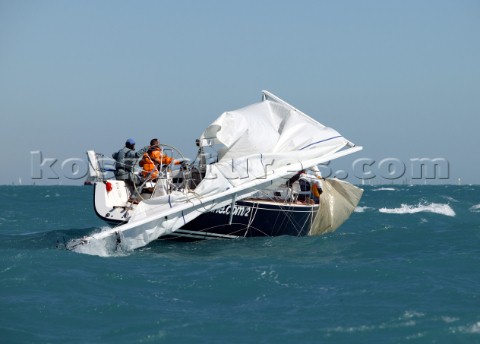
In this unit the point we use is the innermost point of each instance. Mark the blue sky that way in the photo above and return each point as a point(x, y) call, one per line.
point(401, 78)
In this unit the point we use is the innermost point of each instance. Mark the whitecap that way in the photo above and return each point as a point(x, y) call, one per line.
point(437, 208)
point(474, 328)
point(352, 329)
point(475, 208)
point(412, 314)
point(448, 319)
point(385, 189)
point(415, 336)
point(450, 199)
point(6, 269)
point(361, 209)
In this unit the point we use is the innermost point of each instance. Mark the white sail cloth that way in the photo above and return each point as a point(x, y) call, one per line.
point(268, 127)
point(259, 143)
point(337, 202)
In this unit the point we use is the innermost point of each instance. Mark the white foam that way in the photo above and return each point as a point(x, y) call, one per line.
point(475, 208)
point(412, 314)
point(473, 329)
point(385, 189)
point(93, 247)
point(448, 319)
point(352, 329)
point(450, 199)
point(362, 209)
point(437, 208)
point(105, 247)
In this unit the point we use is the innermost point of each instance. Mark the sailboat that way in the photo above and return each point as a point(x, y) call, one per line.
point(255, 174)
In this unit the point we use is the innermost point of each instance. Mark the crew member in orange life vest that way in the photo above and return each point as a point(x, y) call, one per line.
point(153, 157)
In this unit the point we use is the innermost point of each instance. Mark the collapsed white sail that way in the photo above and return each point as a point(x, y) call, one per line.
point(336, 203)
point(269, 128)
point(259, 145)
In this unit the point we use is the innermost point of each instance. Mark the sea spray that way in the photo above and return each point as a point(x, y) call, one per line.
point(437, 208)
point(475, 208)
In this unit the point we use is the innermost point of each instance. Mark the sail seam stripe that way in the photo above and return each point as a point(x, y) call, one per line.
point(314, 143)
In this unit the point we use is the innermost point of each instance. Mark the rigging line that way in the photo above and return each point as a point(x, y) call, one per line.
point(205, 230)
point(313, 215)
point(198, 197)
point(232, 232)
point(289, 218)
point(307, 219)
point(260, 231)
point(285, 218)
point(253, 214)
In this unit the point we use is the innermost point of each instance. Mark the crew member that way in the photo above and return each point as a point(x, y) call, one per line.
point(125, 160)
point(153, 158)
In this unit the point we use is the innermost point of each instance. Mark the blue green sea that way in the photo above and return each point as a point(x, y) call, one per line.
point(405, 268)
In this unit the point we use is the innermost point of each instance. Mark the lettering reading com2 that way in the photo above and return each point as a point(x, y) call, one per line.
point(237, 210)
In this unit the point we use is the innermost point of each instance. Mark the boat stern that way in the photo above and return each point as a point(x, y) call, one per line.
point(111, 201)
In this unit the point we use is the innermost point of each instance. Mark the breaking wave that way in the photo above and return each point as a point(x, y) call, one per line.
point(470, 329)
point(475, 208)
point(385, 189)
point(450, 199)
point(104, 247)
point(437, 208)
point(362, 209)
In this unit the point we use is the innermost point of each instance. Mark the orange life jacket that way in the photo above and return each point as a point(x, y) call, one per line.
point(151, 159)
point(148, 166)
point(315, 190)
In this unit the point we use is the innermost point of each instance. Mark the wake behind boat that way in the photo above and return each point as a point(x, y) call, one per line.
point(255, 174)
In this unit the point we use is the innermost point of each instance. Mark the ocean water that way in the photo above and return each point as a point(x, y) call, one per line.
point(404, 268)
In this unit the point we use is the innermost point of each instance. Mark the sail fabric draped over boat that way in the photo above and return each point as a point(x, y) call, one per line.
point(268, 127)
point(337, 202)
point(260, 144)
point(264, 142)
